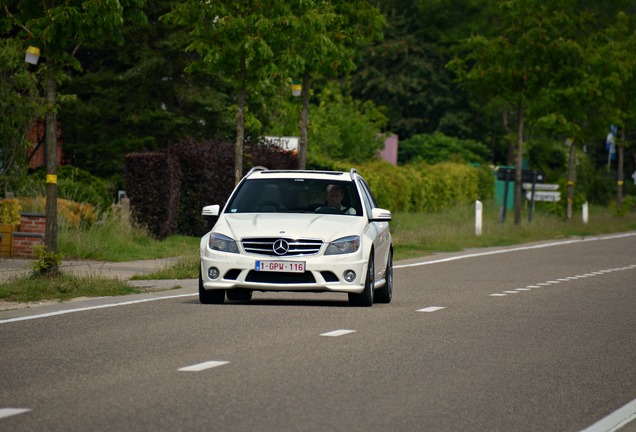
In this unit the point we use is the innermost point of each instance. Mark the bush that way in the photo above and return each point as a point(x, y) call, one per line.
point(423, 187)
point(263, 153)
point(10, 211)
point(207, 170)
point(153, 182)
point(438, 148)
point(70, 214)
point(627, 206)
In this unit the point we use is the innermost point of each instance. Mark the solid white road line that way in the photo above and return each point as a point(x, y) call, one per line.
point(68, 311)
point(8, 412)
point(203, 366)
point(337, 333)
point(615, 420)
point(516, 249)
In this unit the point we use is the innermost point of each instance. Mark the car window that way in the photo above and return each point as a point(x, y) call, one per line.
point(293, 195)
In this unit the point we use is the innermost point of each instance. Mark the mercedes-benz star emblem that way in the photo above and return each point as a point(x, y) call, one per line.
point(281, 247)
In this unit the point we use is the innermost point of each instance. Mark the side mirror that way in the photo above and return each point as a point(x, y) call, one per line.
point(380, 215)
point(210, 211)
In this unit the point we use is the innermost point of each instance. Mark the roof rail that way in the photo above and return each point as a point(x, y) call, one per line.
point(256, 168)
point(352, 172)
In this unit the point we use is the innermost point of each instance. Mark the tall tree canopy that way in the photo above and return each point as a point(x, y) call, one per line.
point(137, 97)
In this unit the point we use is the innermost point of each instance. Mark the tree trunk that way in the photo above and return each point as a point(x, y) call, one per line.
point(519, 165)
point(303, 124)
point(50, 230)
point(510, 154)
point(240, 137)
point(240, 125)
point(571, 175)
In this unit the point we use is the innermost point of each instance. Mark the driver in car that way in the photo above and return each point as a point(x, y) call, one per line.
point(334, 196)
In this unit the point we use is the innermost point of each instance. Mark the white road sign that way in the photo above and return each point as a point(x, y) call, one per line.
point(541, 186)
point(550, 196)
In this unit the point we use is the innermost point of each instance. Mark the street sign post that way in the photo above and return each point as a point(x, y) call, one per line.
point(532, 177)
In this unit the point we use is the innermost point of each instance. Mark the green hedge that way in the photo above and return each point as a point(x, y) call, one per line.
point(421, 187)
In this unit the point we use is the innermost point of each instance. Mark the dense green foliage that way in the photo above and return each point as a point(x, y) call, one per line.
point(19, 102)
point(457, 80)
point(422, 187)
point(439, 147)
point(345, 129)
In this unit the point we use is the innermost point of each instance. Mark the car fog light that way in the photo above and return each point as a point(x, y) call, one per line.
point(213, 273)
point(349, 275)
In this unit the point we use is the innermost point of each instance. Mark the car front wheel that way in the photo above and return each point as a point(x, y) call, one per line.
point(210, 296)
point(365, 298)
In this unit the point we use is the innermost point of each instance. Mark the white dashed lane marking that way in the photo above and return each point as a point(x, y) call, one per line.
point(564, 279)
point(8, 412)
point(337, 333)
point(431, 309)
point(203, 366)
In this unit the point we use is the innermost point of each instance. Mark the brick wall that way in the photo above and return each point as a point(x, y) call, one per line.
point(31, 234)
point(36, 136)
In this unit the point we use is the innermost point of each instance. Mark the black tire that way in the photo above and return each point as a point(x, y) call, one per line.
point(239, 294)
point(210, 296)
point(365, 298)
point(385, 294)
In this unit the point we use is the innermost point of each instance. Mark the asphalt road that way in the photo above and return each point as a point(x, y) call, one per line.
point(521, 339)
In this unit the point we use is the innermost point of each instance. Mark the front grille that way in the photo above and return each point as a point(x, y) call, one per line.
point(293, 247)
point(280, 278)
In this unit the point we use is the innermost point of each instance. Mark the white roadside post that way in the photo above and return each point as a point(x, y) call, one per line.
point(585, 212)
point(478, 217)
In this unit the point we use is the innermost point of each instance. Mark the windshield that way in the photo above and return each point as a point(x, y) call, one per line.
point(297, 195)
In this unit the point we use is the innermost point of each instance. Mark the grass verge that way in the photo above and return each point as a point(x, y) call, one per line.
point(419, 234)
point(62, 287)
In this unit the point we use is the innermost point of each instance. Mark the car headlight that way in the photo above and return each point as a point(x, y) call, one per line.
point(344, 245)
point(220, 242)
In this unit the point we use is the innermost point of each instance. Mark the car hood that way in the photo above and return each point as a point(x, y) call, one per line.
point(325, 227)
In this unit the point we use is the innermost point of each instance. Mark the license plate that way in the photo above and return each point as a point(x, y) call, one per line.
point(281, 266)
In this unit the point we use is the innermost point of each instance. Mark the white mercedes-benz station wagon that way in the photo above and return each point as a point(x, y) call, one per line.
point(298, 231)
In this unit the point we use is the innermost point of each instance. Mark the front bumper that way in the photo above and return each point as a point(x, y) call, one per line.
point(322, 273)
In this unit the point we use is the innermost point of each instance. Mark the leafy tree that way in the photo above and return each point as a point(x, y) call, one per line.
point(533, 40)
point(136, 96)
point(232, 39)
point(345, 129)
point(324, 39)
point(59, 30)
point(407, 71)
point(615, 67)
point(19, 106)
